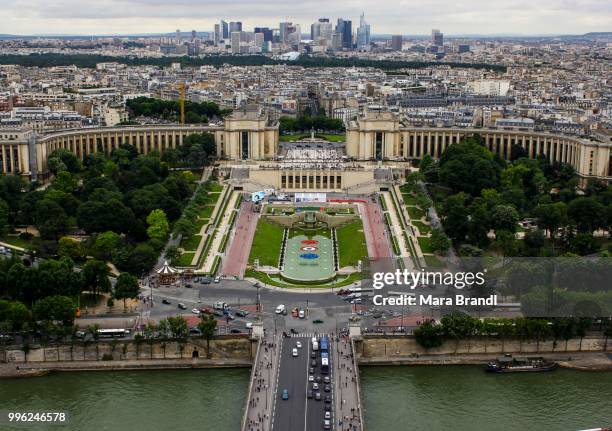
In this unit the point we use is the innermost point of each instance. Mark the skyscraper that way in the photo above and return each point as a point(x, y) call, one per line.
point(267, 33)
point(235, 41)
point(178, 37)
point(218, 34)
point(235, 26)
point(224, 30)
point(363, 34)
point(437, 38)
point(345, 29)
point(396, 42)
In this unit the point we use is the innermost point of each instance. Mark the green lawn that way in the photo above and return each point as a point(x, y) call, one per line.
point(425, 244)
point(415, 213)
point(16, 241)
point(266, 243)
point(185, 259)
point(191, 243)
point(351, 244)
point(206, 211)
point(423, 228)
point(409, 199)
point(213, 187)
point(433, 261)
point(201, 222)
point(339, 282)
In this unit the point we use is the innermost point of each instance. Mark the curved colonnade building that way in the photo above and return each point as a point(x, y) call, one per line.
point(249, 138)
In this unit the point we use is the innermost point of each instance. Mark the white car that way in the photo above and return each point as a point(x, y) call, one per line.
point(195, 311)
point(249, 325)
point(298, 345)
point(311, 378)
point(327, 415)
point(294, 353)
point(280, 309)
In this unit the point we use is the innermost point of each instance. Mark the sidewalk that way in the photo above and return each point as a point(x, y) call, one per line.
point(347, 408)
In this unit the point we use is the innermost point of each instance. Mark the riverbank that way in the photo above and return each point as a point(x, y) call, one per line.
point(585, 361)
point(35, 369)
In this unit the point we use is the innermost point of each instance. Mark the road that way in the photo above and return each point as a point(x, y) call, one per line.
point(298, 413)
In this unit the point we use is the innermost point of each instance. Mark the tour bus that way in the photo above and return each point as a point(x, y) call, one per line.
point(324, 362)
point(315, 344)
point(112, 333)
point(324, 344)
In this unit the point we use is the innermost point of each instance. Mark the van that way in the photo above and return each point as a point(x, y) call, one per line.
point(280, 309)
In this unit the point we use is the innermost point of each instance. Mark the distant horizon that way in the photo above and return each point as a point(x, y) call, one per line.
point(406, 17)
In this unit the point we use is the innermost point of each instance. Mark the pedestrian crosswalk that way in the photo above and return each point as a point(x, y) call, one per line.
point(310, 335)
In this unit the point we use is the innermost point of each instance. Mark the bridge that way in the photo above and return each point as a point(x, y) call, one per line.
point(290, 390)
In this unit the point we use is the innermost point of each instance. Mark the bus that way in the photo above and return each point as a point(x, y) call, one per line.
point(324, 344)
point(112, 333)
point(315, 344)
point(324, 362)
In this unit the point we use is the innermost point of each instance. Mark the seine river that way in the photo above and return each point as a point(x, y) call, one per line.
point(466, 398)
point(169, 400)
point(396, 399)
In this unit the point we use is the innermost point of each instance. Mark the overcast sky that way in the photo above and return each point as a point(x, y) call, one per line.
point(385, 16)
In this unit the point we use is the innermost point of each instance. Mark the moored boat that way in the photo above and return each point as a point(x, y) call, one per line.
point(509, 364)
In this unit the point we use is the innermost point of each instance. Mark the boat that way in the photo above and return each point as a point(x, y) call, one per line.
point(509, 364)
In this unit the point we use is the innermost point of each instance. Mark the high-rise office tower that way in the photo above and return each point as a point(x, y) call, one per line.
point(290, 33)
point(235, 26)
point(363, 34)
point(217, 34)
point(193, 36)
point(320, 29)
point(178, 37)
point(437, 38)
point(267, 33)
point(235, 41)
point(347, 35)
point(396, 42)
point(224, 30)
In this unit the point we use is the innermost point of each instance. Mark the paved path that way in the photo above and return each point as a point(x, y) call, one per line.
point(216, 209)
point(219, 233)
point(237, 257)
point(262, 387)
point(379, 247)
point(348, 408)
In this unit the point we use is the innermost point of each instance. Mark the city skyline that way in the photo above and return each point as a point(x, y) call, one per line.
point(110, 17)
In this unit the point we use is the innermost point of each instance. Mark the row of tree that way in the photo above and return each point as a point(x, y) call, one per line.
point(90, 61)
point(169, 110)
point(460, 326)
point(307, 122)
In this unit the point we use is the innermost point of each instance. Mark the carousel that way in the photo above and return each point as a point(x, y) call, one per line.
point(167, 274)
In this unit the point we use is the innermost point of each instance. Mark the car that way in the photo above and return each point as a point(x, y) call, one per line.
point(318, 396)
point(313, 363)
point(218, 313)
point(188, 286)
point(194, 331)
point(235, 331)
point(302, 313)
point(356, 301)
point(217, 279)
point(318, 379)
point(311, 370)
point(327, 399)
point(182, 306)
point(165, 301)
point(326, 424)
point(294, 352)
point(229, 316)
point(309, 393)
point(315, 386)
point(206, 280)
point(326, 380)
point(298, 345)
point(327, 415)
point(285, 394)
point(195, 311)
point(327, 388)
point(242, 313)
point(249, 325)
point(317, 321)
point(313, 355)
point(293, 331)
point(327, 408)
point(280, 309)
point(311, 378)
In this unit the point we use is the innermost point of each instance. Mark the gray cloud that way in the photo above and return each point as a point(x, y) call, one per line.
point(385, 16)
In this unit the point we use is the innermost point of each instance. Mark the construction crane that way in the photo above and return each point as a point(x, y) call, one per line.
point(181, 88)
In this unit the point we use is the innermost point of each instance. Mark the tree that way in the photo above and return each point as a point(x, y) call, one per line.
point(439, 241)
point(126, 287)
point(158, 225)
point(4, 216)
point(429, 335)
point(137, 260)
point(504, 217)
point(63, 160)
point(69, 247)
point(51, 219)
point(106, 243)
point(185, 227)
point(551, 217)
point(178, 326)
point(207, 325)
point(95, 273)
point(55, 309)
point(587, 213)
point(456, 223)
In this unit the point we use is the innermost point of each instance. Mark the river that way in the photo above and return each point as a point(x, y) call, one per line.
point(466, 398)
point(169, 400)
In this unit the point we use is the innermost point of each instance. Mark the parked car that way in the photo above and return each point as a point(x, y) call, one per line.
point(182, 306)
point(326, 424)
point(242, 313)
point(195, 311)
point(302, 313)
point(217, 279)
point(235, 331)
point(194, 331)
